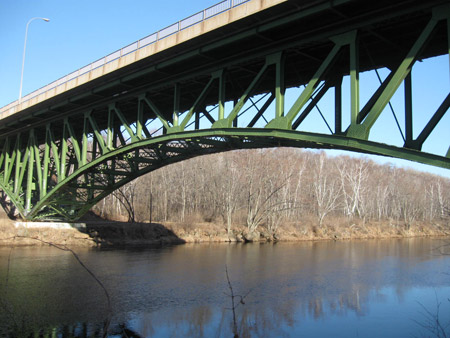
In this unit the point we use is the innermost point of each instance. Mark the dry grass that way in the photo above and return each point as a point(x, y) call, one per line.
point(307, 229)
point(196, 229)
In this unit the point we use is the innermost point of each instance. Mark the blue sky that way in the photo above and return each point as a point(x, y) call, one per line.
point(82, 31)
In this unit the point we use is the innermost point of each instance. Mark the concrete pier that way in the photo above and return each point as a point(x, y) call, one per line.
point(53, 225)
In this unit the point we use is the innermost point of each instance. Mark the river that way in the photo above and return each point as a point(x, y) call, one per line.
point(373, 288)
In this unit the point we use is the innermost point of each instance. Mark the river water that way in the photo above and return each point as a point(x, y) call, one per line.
point(373, 288)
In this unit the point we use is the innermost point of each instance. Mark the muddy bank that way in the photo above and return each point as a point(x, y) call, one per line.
point(105, 233)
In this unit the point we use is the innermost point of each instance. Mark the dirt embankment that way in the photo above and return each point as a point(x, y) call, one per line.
point(104, 233)
point(306, 231)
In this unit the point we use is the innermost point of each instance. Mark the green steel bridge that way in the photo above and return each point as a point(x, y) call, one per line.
point(216, 82)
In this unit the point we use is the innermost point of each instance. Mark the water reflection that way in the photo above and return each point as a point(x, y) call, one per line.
point(358, 288)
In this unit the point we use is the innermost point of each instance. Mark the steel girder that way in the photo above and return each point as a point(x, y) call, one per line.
point(61, 167)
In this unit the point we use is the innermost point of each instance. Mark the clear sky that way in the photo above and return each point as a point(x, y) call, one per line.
point(82, 31)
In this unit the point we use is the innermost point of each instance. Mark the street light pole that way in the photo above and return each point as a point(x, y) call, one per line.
point(24, 48)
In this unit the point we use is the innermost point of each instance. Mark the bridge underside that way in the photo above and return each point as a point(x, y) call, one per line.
point(227, 91)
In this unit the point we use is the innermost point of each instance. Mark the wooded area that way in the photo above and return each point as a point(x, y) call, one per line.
point(270, 188)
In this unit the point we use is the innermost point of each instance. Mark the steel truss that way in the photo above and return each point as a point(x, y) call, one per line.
point(61, 167)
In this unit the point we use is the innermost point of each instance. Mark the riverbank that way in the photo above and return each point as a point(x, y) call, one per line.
point(108, 233)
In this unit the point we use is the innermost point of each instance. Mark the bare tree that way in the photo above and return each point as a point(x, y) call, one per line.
point(353, 175)
point(263, 193)
point(125, 195)
point(327, 191)
point(229, 187)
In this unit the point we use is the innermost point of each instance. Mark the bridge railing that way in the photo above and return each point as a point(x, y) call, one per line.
point(194, 19)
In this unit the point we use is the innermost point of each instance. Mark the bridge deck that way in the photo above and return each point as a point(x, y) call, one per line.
point(209, 20)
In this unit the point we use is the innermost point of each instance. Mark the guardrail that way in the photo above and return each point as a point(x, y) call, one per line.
point(194, 19)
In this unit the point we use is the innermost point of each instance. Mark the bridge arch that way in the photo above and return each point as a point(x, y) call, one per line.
point(72, 197)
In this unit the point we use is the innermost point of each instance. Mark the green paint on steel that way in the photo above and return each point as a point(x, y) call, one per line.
point(285, 122)
point(145, 98)
point(227, 122)
point(362, 130)
point(290, 138)
point(408, 111)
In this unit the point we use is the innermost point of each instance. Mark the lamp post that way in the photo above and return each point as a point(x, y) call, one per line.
point(24, 48)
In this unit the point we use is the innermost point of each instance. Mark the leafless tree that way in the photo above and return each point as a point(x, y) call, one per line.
point(353, 175)
point(327, 191)
point(125, 196)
